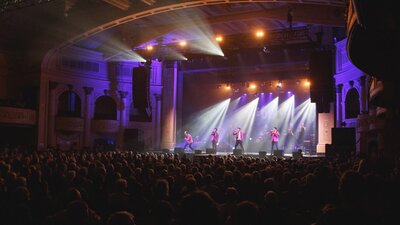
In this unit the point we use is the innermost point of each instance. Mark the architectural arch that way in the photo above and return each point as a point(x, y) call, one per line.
point(69, 104)
point(105, 108)
point(352, 104)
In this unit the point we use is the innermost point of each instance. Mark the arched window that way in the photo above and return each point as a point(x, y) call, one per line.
point(69, 104)
point(352, 103)
point(105, 109)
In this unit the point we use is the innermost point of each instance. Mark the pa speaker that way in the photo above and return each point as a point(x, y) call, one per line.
point(141, 87)
point(237, 152)
point(297, 155)
point(278, 153)
point(178, 150)
point(197, 151)
point(211, 151)
point(321, 76)
point(262, 153)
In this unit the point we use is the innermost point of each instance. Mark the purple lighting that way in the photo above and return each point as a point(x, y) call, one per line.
point(289, 92)
point(270, 93)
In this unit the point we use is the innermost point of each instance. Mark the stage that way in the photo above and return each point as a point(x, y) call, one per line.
point(245, 154)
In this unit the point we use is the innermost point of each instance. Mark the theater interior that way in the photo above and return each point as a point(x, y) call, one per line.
point(96, 96)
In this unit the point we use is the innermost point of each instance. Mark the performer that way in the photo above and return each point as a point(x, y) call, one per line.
point(239, 137)
point(289, 140)
point(214, 138)
point(274, 134)
point(300, 139)
point(189, 140)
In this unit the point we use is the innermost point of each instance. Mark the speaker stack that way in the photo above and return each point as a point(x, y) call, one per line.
point(211, 151)
point(278, 153)
point(178, 150)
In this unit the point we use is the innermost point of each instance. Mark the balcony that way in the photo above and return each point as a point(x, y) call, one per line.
point(18, 116)
point(74, 124)
point(105, 126)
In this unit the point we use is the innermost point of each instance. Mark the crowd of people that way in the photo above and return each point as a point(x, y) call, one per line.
point(53, 187)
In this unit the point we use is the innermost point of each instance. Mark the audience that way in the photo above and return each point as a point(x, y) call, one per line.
point(53, 187)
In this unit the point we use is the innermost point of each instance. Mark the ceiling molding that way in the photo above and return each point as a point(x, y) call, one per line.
point(156, 9)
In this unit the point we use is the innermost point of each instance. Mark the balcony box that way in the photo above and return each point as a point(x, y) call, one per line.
point(105, 126)
point(20, 116)
point(74, 124)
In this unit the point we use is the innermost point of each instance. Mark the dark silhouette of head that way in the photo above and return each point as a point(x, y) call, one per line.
point(198, 208)
point(121, 218)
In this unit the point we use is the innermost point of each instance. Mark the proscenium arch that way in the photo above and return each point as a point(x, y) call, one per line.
point(184, 5)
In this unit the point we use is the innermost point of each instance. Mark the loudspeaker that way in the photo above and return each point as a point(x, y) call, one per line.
point(165, 151)
point(237, 152)
point(297, 155)
point(178, 150)
point(278, 153)
point(211, 151)
point(133, 139)
point(140, 87)
point(262, 154)
point(197, 151)
point(321, 77)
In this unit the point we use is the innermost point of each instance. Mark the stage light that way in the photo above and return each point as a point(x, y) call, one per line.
point(206, 119)
point(266, 49)
point(149, 48)
point(289, 92)
point(219, 39)
point(260, 34)
point(182, 43)
point(253, 86)
point(279, 85)
point(270, 93)
point(307, 83)
point(228, 86)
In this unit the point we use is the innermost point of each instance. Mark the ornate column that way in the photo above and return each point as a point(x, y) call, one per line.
point(51, 117)
point(88, 100)
point(339, 105)
point(364, 99)
point(169, 101)
point(157, 122)
point(122, 118)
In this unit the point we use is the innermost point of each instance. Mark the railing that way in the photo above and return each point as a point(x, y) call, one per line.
point(105, 126)
point(12, 115)
point(69, 124)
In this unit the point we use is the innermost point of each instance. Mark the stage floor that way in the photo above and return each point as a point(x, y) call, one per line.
point(253, 154)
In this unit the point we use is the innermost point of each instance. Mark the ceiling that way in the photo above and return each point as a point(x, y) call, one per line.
point(113, 26)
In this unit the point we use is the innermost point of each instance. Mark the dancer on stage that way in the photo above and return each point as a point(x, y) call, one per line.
point(214, 138)
point(239, 134)
point(274, 134)
point(300, 138)
point(189, 140)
